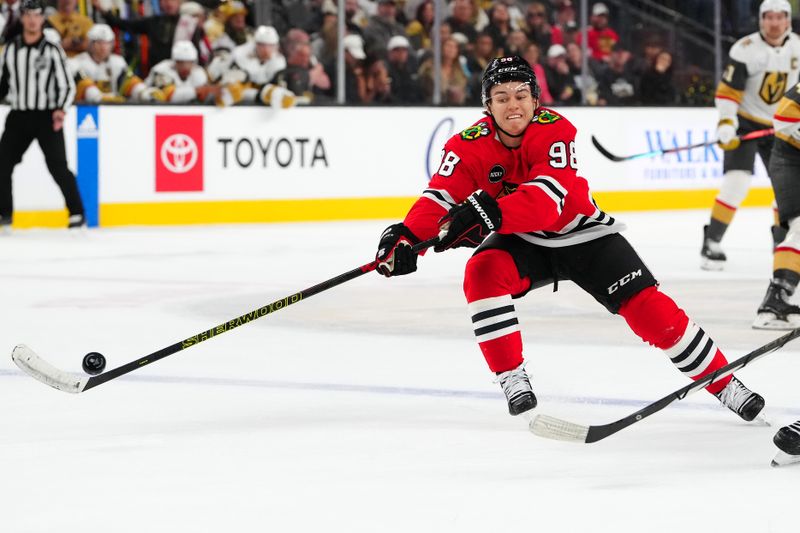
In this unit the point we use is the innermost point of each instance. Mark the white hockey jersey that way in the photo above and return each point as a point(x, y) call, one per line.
point(258, 73)
point(756, 77)
point(163, 76)
point(94, 80)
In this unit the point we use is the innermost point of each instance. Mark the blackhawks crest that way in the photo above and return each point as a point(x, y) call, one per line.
point(475, 132)
point(546, 117)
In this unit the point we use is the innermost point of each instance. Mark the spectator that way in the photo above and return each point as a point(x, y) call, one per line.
point(72, 26)
point(323, 43)
point(565, 14)
point(587, 85)
point(533, 56)
point(419, 29)
point(379, 84)
point(402, 68)
point(318, 79)
point(656, 86)
point(516, 43)
point(461, 21)
point(192, 17)
point(499, 26)
point(159, 29)
point(355, 17)
point(600, 36)
point(539, 29)
point(618, 81)
point(13, 25)
point(515, 15)
point(381, 27)
point(355, 78)
point(453, 80)
point(559, 78)
point(296, 76)
point(236, 28)
point(102, 76)
point(477, 58)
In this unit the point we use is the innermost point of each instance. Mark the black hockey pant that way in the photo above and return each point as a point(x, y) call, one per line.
point(22, 127)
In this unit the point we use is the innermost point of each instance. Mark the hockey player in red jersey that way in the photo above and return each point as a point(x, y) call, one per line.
point(508, 185)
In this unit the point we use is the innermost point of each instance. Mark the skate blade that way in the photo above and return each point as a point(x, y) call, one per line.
point(784, 459)
point(772, 322)
point(761, 420)
point(711, 265)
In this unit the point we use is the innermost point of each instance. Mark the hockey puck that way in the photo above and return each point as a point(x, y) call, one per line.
point(94, 363)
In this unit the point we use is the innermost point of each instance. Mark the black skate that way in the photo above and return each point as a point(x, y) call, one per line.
point(517, 388)
point(787, 439)
point(76, 222)
point(5, 225)
point(741, 400)
point(711, 255)
point(775, 311)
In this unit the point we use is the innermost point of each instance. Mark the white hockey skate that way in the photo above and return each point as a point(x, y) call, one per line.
point(711, 255)
point(787, 439)
point(775, 312)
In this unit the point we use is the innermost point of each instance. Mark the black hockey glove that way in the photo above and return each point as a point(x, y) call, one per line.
point(394, 251)
point(470, 222)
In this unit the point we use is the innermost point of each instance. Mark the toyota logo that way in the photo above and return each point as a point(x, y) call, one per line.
point(179, 153)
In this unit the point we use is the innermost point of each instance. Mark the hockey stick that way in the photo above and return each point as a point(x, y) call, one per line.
point(616, 158)
point(555, 428)
point(36, 367)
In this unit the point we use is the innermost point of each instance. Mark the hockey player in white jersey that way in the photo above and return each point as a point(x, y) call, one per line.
point(761, 67)
point(101, 76)
point(253, 65)
point(179, 79)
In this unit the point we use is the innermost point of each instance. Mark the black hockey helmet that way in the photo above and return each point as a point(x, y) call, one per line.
point(503, 69)
point(31, 5)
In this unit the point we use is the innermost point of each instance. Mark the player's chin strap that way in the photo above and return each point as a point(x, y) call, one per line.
point(496, 125)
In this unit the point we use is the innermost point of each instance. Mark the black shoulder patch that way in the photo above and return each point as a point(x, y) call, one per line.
point(496, 173)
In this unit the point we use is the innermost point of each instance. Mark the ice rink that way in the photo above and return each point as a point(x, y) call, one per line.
point(369, 408)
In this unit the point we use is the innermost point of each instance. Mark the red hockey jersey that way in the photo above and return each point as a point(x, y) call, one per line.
point(541, 197)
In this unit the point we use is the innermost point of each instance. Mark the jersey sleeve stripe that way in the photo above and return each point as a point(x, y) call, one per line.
point(551, 188)
point(441, 197)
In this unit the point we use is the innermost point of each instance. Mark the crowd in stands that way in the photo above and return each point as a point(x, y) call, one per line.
point(212, 51)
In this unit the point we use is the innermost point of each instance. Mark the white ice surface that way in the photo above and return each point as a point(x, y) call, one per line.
point(368, 408)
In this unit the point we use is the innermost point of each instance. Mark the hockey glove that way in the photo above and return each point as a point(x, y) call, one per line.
point(470, 222)
point(726, 135)
point(394, 251)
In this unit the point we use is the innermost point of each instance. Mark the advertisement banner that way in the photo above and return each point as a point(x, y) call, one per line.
point(179, 153)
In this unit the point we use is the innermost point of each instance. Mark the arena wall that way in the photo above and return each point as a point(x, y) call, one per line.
point(148, 165)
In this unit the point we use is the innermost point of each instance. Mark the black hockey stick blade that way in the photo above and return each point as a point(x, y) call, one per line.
point(606, 153)
point(554, 428)
point(36, 367)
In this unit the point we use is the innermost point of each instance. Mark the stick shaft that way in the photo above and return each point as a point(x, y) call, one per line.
point(246, 318)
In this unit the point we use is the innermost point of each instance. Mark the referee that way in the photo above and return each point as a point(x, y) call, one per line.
point(38, 87)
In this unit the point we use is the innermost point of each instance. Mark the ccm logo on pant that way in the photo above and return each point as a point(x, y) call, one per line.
point(624, 281)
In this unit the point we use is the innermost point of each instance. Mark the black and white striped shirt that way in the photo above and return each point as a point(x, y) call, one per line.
point(35, 77)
